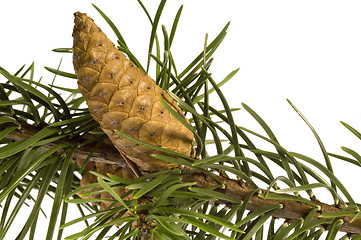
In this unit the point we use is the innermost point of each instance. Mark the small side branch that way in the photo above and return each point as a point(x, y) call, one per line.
point(106, 153)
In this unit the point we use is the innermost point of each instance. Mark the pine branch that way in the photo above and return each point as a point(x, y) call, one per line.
point(291, 210)
point(196, 201)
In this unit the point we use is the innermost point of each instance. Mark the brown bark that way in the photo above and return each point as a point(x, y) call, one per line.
point(291, 210)
point(106, 153)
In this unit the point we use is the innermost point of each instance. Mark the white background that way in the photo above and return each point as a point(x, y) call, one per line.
point(306, 51)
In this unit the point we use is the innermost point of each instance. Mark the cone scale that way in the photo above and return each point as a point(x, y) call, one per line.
point(120, 96)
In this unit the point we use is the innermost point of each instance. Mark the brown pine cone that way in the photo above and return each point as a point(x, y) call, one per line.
point(122, 97)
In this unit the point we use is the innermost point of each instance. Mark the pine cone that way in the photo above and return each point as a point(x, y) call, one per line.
point(122, 97)
point(104, 168)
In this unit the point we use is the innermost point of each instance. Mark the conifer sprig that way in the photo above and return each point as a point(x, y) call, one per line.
point(230, 195)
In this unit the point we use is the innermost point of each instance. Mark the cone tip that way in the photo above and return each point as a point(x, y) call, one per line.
point(79, 14)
